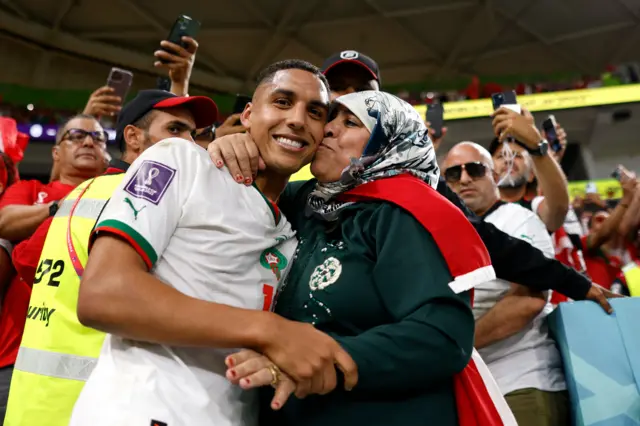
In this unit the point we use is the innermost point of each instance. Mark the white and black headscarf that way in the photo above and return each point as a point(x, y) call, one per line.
point(399, 143)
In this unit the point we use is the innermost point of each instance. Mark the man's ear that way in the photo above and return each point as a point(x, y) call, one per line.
point(132, 138)
point(245, 117)
point(55, 153)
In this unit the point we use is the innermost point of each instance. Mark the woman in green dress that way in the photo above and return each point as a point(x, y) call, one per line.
point(373, 274)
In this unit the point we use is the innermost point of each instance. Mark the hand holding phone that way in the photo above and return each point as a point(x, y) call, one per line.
point(507, 100)
point(435, 117)
point(120, 81)
point(184, 26)
point(549, 127)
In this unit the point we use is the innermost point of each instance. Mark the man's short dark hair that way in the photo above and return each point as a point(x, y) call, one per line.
point(63, 129)
point(267, 74)
point(143, 123)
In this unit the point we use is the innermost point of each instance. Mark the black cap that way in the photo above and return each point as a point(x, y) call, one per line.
point(353, 57)
point(204, 110)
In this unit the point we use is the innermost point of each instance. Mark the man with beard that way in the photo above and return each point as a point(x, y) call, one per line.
point(517, 163)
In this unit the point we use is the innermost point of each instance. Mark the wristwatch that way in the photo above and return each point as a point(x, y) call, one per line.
point(540, 151)
point(53, 208)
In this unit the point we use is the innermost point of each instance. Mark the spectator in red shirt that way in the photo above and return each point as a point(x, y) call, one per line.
point(79, 154)
point(603, 252)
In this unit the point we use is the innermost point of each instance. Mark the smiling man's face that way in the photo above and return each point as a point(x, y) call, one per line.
point(286, 119)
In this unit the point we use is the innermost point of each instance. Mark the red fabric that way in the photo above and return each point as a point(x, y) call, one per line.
point(602, 269)
point(13, 142)
point(463, 251)
point(26, 255)
point(569, 255)
point(29, 192)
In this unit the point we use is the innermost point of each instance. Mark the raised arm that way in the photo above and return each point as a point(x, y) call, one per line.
point(551, 178)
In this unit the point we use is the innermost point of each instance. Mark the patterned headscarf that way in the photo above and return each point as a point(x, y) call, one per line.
point(399, 143)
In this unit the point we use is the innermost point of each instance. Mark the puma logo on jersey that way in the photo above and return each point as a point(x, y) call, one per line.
point(135, 211)
point(40, 313)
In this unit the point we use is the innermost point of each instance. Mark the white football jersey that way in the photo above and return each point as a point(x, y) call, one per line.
point(211, 238)
point(529, 358)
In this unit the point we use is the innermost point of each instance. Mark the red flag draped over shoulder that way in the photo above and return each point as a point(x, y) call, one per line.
point(478, 398)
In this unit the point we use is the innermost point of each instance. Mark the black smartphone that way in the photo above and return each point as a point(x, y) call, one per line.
point(184, 26)
point(120, 81)
point(504, 98)
point(549, 127)
point(435, 117)
point(241, 103)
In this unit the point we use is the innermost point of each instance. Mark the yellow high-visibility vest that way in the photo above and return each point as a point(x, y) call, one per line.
point(631, 273)
point(57, 353)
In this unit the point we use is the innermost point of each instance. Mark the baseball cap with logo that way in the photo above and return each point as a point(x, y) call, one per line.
point(352, 57)
point(204, 110)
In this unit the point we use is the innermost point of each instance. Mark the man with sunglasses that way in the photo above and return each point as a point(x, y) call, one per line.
point(53, 336)
point(509, 329)
point(79, 154)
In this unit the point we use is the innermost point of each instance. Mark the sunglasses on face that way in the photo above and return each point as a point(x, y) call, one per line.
point(78, 136)
point(205, 135)
point(475, 170)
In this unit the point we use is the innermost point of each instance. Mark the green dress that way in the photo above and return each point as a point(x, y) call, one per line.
point(376, 282)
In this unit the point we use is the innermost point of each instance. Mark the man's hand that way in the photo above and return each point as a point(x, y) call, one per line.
point(309, 356)
point(179, 63)
point(249, 370)
point(230, 126)
point(103, 102)
point(508, 123)
point(436, 141)
point(239, 153)
point(600, 295)
point(628, 182)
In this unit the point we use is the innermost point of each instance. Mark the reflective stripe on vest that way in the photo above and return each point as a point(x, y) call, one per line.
point(57, 353)
point(87, 208)
point(54, 364)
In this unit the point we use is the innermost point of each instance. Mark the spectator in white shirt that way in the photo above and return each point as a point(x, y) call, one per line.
point(511, 331)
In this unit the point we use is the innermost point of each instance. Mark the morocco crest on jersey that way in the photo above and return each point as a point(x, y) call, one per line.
point(273, 259)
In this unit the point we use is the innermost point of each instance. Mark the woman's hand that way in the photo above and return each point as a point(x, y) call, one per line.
point(250, 370)
point(240, 154)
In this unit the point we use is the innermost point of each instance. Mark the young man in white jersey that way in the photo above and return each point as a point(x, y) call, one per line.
point(184, 267)
point(511, 332)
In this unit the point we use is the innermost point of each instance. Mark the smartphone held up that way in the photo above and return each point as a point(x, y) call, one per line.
point(549, 127)
point(120, 81)
point(435, 117)
point(507, 100)
point(184, 26)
